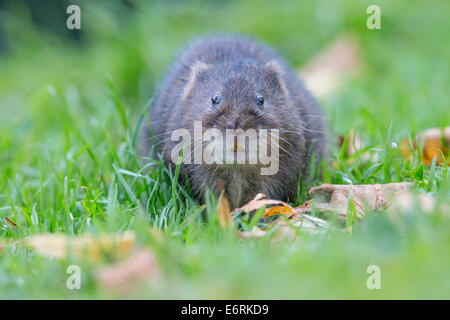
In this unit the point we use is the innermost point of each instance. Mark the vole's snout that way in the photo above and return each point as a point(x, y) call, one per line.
point(235, 123)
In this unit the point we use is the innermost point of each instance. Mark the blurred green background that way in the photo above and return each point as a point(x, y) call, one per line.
point(70, 102)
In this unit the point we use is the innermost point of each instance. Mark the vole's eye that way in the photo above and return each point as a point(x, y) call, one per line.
point(259, 100)
point(216, 99)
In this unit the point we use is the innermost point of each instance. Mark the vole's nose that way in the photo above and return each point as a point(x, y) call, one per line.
point(233, 123)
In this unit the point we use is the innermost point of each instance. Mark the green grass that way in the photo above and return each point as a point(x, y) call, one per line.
point(69, 114)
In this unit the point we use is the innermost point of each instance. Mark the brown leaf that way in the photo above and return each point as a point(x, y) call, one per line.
point(2, 249)
point(91, 247)
point(224, 212)
point(140, 269)
point(287, 226)
point(334, 198)
point(283, 209)
point(434, 141)
point(325, 72)
point(276, 207)
point(272, 207)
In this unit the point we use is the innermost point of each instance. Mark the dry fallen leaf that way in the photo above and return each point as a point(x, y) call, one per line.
point(91, 247)
point(224, 212)
point(324, 73)
point(287, 227)
point(272, 207)
point(288, 223)
point(290, 218)
point(434, 141)
point(334, 198)
point(140, 269)
point(2, 249)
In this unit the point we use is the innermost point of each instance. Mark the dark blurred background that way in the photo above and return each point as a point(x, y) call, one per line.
point(131, 43)
point(49, 15)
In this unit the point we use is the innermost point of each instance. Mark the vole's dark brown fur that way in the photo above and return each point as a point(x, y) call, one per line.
point(238, 68)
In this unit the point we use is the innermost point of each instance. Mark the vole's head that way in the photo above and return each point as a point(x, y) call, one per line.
point(242, 107)
point(237, 95)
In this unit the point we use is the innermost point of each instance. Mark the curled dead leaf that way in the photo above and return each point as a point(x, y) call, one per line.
point(434, 141)
point(289, 222)
point(139, 270)
point(334, 198)
point(288, 227)
point(272, 207)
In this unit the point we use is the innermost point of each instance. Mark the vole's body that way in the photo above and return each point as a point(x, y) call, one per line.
point(238, 69)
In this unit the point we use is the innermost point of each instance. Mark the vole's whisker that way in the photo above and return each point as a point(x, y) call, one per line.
point(306, 129)
point(278, 146)
point(154, 137)
point(315, 116)
point(282, 139)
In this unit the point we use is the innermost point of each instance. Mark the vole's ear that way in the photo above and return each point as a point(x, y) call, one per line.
point(195, 70)
point(276, 75)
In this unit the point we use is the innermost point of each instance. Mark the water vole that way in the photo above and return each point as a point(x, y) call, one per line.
point(234, 82)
